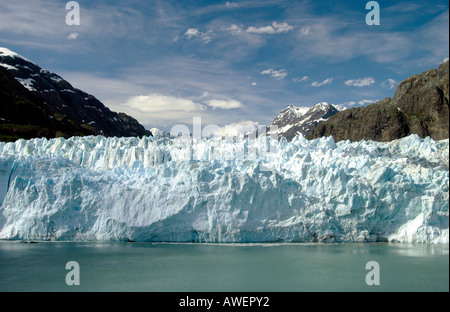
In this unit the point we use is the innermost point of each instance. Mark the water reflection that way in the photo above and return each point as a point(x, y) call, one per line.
point(420, 250)
point(230, 267)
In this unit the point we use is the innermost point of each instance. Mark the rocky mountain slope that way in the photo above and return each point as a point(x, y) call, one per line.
point(420, 106)
point(37, 103)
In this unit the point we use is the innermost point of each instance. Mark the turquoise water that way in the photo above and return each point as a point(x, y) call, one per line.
point(222, 268)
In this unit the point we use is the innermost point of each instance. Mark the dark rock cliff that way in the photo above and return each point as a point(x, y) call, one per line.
point(420, 106)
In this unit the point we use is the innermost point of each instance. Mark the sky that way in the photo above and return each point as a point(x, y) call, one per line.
point(228, 62)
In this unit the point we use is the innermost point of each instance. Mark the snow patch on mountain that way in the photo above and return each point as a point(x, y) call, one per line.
point(8, 67)
point(27, 83)
point(199, 190)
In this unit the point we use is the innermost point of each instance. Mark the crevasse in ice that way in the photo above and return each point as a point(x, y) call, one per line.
point(225, 190)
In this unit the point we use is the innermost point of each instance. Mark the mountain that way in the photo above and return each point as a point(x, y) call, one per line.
point(301, 120)
point(420, 106)
point(38, 103)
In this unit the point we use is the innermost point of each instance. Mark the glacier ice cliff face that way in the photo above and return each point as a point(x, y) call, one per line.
point(194, 190)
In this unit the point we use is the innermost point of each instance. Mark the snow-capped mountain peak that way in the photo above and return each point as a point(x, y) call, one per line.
point(298, 111)
point(293, 111)
point(321, 105)
point(5, 52)
point(294, 120)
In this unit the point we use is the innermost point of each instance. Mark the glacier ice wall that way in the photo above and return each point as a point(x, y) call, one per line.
point(199, 190)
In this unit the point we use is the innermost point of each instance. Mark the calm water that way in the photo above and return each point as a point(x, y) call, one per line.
point(225, 268)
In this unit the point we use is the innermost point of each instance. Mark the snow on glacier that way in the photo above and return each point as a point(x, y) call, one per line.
point(214, 190)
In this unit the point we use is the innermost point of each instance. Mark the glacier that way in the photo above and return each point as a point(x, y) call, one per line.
point(224, 190)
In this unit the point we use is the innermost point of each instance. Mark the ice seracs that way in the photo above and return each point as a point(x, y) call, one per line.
point(199, 190)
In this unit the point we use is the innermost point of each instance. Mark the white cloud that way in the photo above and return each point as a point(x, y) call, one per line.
point(41, 24)
point(359, 103)
point(254, 83)
point(334, 38)
point(445, 60)
point(196, 81)
point(389, 83)
point(323, 83)
point(277, 74)
point(157, 110)
point(230, 104)
point(306, 30)
point(231, 4)
point(238, 129)
point(304, 78)
point(208, 36)
point(194, 32)
point(366, 102)
point(364, 82)
point(155, 103)
point(73, 36)
point(35, 18)
point(275, 28)
point(235, 29)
